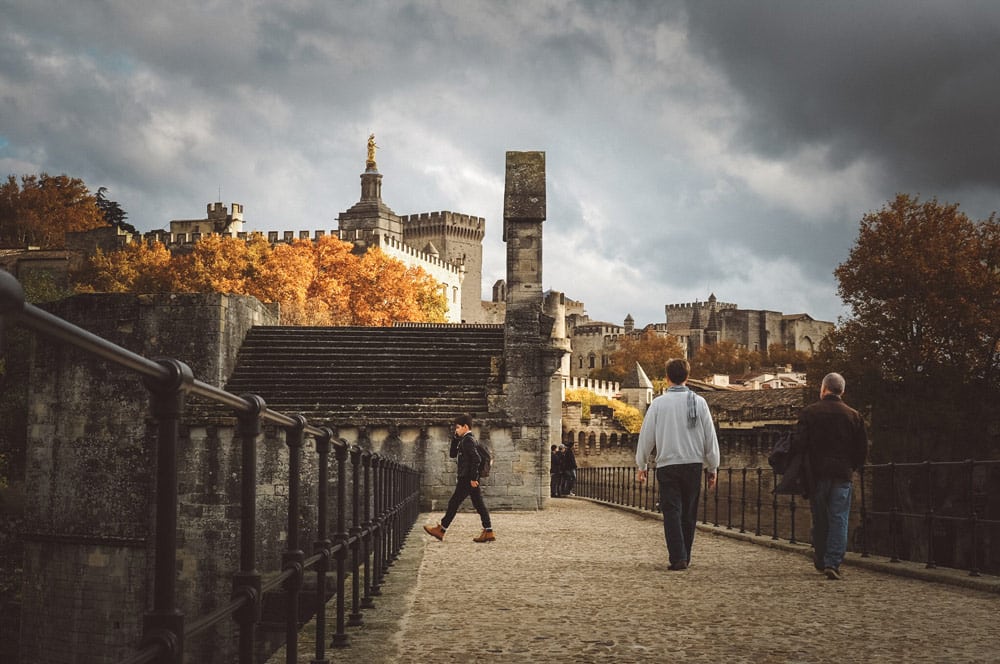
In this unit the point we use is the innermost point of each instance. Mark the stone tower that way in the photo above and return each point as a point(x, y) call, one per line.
point(369, 216)
point(457, 239)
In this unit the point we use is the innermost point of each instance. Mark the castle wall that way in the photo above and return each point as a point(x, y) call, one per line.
point(591, 343)
point(89, 474)
point(751, 329)
point(684, 312)
point(602, 388)
point(446, 274)
point(805, 334)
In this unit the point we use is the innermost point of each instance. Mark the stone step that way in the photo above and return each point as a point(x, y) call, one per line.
point(413, 373)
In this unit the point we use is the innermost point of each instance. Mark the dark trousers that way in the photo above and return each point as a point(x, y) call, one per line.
point(464, 490)
point(569, 481)
point(680, 486)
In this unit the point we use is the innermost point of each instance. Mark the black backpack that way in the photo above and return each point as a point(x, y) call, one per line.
point(485, 459)
point(781, 453)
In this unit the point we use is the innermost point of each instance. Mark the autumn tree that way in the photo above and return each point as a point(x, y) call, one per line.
point(778, 355)
point(316, 283)
point(309, 280)
point(218, 264)
point(649, 349)
point(43, 208)
point(628, 416)
point(385, 290)
point(135, 268)
point(723, 357)
point(920, 349)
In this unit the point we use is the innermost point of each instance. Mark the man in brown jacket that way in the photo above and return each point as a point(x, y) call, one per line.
point(833, 435)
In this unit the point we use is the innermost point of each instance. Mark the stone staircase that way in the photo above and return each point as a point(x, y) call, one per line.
point(418, 374)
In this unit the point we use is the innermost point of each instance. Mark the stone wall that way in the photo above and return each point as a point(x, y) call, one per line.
point(90, 464)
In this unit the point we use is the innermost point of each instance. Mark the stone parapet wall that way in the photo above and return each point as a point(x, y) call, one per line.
point(91, 458)
point(602, 388)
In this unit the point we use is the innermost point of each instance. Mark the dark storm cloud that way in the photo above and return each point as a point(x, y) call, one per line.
point(909, 85)
point(711, 147)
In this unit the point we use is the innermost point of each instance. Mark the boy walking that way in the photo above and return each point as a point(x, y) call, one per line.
point(465, 448)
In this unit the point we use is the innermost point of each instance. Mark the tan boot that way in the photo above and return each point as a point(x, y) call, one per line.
point(435, 531)
point(485, 536)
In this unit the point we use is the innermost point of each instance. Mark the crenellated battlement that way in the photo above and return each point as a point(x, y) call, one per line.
point(703, 305)
point(394, 245)
point(274, 237)
point(444, 222)
point(602, 388)
point(598, 330)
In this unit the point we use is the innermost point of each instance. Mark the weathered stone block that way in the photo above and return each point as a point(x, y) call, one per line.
point(524, 190)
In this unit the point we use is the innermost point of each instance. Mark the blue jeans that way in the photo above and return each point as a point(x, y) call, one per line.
point(831, 508)
point(680, 486)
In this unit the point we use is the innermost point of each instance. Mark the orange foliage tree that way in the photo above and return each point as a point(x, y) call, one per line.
point(135, 268)
point(316, 283)
point(43, 208)
point(218, 264)
point(386, 290)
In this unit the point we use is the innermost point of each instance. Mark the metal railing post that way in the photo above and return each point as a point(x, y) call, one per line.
point(973, 520)
point(929, 515)
point(247, 581)
point(356, 618)
point(379, 528)
point(322, 545)
point(367, 602)
point(164, 625)
point(864, 516)
point(340, 638)
point(293, 558)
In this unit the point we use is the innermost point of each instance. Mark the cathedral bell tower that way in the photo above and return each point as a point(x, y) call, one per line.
point(370, 216)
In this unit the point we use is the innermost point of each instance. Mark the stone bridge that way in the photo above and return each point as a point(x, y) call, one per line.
point(588, 582)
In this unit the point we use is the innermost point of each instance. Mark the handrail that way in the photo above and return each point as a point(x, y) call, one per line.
point(12, 303)
point(391, 487)
point(883, 513)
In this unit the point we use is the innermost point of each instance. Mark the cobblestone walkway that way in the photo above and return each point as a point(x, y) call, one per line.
point(582, 582)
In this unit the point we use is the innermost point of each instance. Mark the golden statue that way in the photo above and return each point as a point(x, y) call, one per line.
point(371, 151)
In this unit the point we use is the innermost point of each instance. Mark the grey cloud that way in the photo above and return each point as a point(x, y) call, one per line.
point(907, 85)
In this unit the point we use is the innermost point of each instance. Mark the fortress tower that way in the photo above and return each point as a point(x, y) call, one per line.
point(457, 239)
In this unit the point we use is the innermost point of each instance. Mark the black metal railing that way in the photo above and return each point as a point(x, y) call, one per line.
point(384, 506)
point(941, 513)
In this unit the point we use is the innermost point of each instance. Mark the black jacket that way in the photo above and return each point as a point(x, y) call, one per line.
point(833, 434)
point(467, 451)
point(569, 459)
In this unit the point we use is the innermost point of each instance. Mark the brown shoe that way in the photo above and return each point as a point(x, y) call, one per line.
point(485, 536)
point(436, 532)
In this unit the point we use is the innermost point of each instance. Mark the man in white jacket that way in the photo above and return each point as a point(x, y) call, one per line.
point(679, 426)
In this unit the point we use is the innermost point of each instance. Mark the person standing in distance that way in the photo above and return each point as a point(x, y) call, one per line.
point(833, 435)
point(679, 425)
point(569, 470)
point(465, 448)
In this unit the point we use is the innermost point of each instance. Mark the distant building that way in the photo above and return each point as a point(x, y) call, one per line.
point(694, 324)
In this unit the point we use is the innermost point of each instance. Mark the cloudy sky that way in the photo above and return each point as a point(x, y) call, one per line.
point(691, 148)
